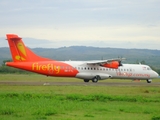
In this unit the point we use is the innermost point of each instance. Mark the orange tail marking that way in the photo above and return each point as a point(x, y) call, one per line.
point(20, 53)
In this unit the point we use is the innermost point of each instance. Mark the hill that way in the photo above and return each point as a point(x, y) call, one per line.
point(151, 57)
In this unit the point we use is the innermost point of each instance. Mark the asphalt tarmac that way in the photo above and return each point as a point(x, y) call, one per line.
point(80, 83)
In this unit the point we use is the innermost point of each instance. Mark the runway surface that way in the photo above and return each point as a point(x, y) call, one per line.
point(80, 83)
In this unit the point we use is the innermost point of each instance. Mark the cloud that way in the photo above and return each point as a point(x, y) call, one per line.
point(83, 33)
point(82, 20)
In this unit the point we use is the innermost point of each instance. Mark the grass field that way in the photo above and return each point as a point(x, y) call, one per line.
point(22, 102)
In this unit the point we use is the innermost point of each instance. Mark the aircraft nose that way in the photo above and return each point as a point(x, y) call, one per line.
point(156, 75)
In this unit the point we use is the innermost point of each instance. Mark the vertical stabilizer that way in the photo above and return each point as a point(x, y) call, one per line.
point(20, 53)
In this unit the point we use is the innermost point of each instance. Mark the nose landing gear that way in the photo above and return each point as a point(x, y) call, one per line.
point(149, 80)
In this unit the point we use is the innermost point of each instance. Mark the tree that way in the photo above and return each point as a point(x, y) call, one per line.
point(4, 61)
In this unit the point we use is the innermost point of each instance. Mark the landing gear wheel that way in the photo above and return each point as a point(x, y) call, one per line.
point(149, 81)
point(94, 80)
point(85, 80)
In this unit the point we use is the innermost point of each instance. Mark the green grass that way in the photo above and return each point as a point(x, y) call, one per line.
point(76, 102)
point(43, 103)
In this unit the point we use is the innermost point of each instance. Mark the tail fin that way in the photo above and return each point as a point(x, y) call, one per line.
point(20, 53)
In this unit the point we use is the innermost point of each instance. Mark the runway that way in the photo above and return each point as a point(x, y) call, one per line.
point(17, 83)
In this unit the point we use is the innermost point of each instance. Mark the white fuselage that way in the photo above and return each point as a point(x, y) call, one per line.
point(127, 71)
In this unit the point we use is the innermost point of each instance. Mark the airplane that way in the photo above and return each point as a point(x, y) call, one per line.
point(24, 58)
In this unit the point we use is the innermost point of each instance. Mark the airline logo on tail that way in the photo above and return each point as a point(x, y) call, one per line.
point(17, 48)
point(21, 49)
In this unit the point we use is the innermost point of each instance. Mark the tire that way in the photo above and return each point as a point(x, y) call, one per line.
point(95, 79)
point(149, 80)
point(86, 80)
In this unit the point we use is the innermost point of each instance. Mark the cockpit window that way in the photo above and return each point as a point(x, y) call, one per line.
point(148, 68)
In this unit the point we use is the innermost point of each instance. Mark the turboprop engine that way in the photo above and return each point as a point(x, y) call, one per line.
point(113, 64)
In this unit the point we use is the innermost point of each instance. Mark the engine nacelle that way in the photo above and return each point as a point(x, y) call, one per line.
point(113, 64)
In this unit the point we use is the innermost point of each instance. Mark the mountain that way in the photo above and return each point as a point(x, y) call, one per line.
point(151, 57)
point(56, 43)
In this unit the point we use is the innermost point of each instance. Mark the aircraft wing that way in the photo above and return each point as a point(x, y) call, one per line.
point(102, 62)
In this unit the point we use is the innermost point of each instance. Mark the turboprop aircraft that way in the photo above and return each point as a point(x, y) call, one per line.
point(24, 58)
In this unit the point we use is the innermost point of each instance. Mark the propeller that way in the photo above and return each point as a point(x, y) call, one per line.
point(120, 62)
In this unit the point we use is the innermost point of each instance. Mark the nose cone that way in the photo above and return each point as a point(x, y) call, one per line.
point(155, 74)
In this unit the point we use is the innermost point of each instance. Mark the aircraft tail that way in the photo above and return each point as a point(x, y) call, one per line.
point(20, 53)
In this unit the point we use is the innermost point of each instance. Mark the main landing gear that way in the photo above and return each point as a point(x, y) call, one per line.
point(86, 80)
point(94, 80)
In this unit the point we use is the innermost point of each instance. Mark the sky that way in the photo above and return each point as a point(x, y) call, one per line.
point(100, 23)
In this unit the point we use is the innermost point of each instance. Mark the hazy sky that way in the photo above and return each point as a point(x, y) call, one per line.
point(110, 23)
